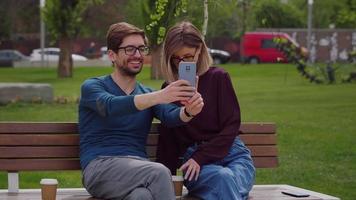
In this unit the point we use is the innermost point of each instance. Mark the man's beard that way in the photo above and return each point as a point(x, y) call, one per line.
point(127, 71)
point(124, 70)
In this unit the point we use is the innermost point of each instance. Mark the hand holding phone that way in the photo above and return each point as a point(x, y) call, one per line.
point(187, 71)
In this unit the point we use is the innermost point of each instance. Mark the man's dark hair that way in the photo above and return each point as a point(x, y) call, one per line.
point(117, 32)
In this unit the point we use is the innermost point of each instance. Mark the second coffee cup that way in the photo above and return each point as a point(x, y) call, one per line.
point(178, 185)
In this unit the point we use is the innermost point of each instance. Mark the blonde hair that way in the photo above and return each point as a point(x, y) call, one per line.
point(181, 35)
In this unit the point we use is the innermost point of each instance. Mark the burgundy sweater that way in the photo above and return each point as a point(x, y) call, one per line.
point(213, 129)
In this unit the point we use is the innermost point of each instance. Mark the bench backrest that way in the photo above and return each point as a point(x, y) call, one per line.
point(55, 145)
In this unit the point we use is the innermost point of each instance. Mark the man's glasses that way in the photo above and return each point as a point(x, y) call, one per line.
point(176, 60)
point(131, 50)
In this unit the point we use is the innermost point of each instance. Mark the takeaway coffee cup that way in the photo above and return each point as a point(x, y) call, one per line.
point(178, 185)
point(49, 189)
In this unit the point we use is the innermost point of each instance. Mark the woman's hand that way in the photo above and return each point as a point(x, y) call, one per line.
point(191, 169)
point(194, 105)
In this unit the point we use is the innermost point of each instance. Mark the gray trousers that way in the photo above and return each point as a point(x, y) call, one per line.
point(128, 178)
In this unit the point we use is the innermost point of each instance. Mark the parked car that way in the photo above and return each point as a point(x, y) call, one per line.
point(8, 56)
point(52, 54)
point(104, 53)
point(259, 47)
point(219, 56)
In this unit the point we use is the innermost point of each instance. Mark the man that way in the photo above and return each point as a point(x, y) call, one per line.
point(115, 116)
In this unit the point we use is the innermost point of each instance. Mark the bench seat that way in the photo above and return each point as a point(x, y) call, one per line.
point(50, 146)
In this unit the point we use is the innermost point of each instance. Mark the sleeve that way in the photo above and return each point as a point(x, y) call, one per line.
point(168, 149)
point(94, 96)
point(168, 114)
point(229, 123)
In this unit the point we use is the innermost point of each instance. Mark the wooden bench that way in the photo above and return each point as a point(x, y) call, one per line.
point(38, 146)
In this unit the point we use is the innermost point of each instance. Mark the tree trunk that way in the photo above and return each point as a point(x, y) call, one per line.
point(65, 64)
point(244, 12)
point(206, 17)
point(156, 62)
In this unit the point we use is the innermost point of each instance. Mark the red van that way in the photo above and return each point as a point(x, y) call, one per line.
point(259, 47)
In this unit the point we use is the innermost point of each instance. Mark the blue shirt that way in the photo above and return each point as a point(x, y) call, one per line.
point(111, 125)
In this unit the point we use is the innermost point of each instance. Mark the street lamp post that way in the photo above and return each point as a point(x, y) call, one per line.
point(310, 19)
point(42, 39)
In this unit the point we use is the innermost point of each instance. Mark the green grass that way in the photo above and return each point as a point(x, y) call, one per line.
point(316, 124)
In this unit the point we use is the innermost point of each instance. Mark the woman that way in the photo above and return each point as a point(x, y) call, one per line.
point(216, 163)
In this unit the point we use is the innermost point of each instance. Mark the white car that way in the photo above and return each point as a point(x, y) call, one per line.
point(104, 53)
point(52, 54)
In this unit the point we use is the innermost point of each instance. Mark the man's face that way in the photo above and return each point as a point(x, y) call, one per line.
point(128, 59)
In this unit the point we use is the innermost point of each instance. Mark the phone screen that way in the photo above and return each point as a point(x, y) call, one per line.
point(187, 71)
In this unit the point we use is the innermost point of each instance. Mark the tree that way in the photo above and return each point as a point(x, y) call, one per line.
point(155, 16)
point(206, 18)
point(341, 13)
point(63, 19)
point(5, 22)
point(230, 17)
point(98, 18)
point(273, 14)
point(18, 17)
point(226, 24)
point(346, 17)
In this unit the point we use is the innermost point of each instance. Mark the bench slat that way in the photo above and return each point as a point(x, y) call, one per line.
point(38, 127)
point(39, 139)
point(71, 127)
point(260, 139)
point(256, 151)
point(257, 128)
point(265, 162)
point(73, 164)
point(39, 164)
point(73, 139)
point(51, 152)
point(51, 139)
point(73, 151)
point(40, 152)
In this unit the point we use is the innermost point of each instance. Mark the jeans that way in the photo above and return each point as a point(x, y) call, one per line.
point(228, 179)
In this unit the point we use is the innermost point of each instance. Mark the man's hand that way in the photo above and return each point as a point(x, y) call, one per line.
point(191, 169)
point(177, 91)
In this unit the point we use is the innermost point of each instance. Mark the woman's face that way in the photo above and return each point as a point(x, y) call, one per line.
point(186, 54)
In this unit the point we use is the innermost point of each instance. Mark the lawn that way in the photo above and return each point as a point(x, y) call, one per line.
point(315, 123)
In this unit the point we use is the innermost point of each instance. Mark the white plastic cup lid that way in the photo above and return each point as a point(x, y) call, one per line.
point(48, 181)
point(177, 178)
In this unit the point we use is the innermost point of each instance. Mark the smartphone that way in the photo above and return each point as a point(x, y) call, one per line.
point(295, 194)
point(187, 71)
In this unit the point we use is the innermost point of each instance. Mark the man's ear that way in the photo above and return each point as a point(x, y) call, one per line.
point(112, 55)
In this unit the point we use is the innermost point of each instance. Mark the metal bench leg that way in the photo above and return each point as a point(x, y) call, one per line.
point(13, 182)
